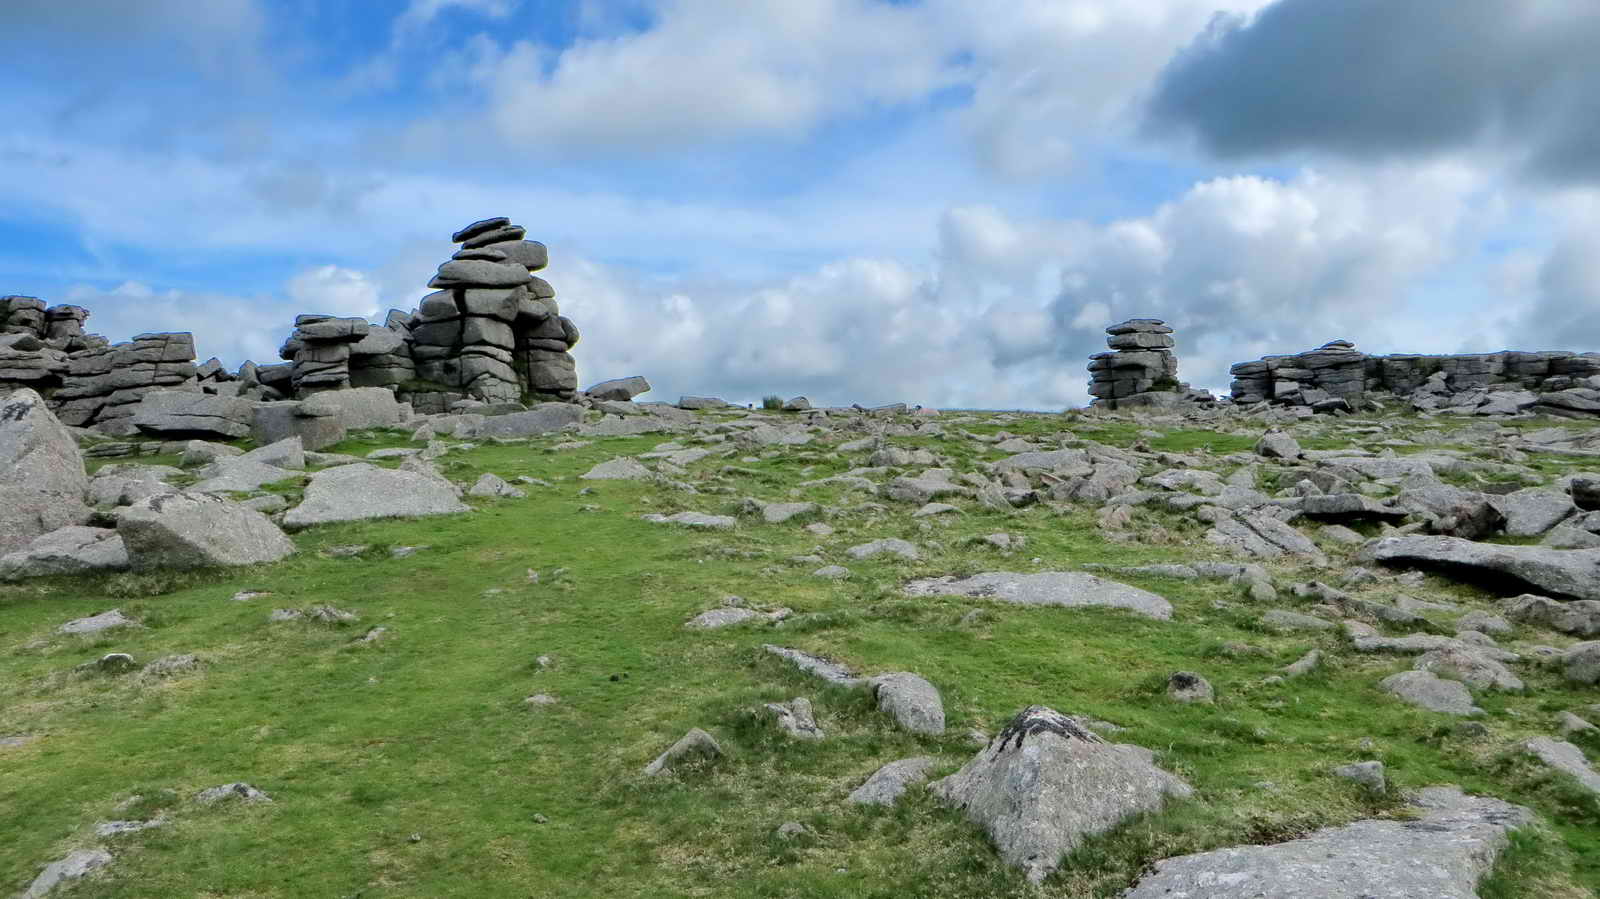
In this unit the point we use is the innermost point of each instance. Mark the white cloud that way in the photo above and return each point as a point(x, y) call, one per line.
point(335, 291)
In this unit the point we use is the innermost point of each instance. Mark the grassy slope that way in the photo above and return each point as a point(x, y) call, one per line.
point(426, 731)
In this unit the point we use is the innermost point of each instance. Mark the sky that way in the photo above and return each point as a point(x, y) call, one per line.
point(941, 202)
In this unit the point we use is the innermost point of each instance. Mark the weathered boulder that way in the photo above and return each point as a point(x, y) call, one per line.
point(1452, 511)
point(1578, 617)
point(177, 414)
point(1471, 668)
point(42, 479)
point(1046, 783)
point(1441, 855)
point(361, 490)
point(69, 550)
point(694, 745)
point(316, 424)
point(1566, 758)
point(621, 468)
point(544, 418)
point(914, 703)
point(1581, 662)
point(1048, 588)
point(1560, 572)
point(1532, 512)
point(1277, 445)
point(182, 530)
point(1422, 688)
point(1348, 507)
point(358, 408)
point(889, 783)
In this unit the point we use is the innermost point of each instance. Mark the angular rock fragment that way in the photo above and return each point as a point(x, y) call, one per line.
point(692, 746)
point(361, 491)
point(914, 703)
point(181, 530)
point(889, 783)
point(1046, 783)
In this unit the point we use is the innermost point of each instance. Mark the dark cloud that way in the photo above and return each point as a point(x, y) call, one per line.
point(1373, 79)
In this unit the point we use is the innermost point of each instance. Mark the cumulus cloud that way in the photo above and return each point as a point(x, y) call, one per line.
point(711, 70)
point(1374, 79)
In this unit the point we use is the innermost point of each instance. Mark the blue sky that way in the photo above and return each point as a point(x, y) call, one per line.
point(941, 201)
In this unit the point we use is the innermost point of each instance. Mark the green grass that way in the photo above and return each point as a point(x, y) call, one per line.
point(425, 733)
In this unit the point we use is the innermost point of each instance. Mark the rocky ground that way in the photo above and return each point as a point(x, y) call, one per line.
point(812, 653)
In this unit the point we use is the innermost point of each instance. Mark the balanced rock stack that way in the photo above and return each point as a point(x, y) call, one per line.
point(320, 350)
point(383, 357)
point(493, 329)
point(1141, 362)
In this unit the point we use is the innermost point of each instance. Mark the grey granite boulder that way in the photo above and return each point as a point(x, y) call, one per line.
point(914, 703)
point(1566, 758)
point(1278, 445)
point(42, 479)
point(1070, 589)
point(621, 468)
point(796, 719)
point(1562, 572)
point(701, 402)
point(1469, 667)
point(893, 546)
point(1579, 617)
point(620, 389)
point(1581, 662)
point(358, 408)
point(694, 745)
point(1452, 511)
point(889, 783)
point(1046, 783)
point(1348, 507)
point(1533, 511)
point(1368, 774)
point(361, 491)
point(832, 672)
point(544, 418)
point(1423, 689)
point(94, 624)
point(183, 530)
point(286, 453)
point(1442, 854)
point(239, 475)
point(70, 550)
point(698, 520)
point(173, 414)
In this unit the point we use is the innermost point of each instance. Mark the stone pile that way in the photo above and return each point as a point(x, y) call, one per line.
point(1140, 370)
point(492, 330)
point(1337, 376)
point(320, 350)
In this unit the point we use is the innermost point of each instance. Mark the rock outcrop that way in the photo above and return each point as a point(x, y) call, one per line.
point(1337, 376)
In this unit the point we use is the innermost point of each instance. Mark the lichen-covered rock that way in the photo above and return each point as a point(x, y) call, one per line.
point(694, 745)
point(1046, 783)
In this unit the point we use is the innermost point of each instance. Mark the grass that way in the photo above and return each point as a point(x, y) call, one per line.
point(412, 765)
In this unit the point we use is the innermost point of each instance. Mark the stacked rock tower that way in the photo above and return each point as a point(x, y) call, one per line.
point(492, 328)
point(1141, 362)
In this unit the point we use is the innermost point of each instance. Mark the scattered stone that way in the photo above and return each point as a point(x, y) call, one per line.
point(832, 672)
point(1050, 588)
point(914, 703)
point(832, 572)
point(77, 864)
point(1368, 774)
point(241, 792)
point(796, 719)
point(889, 783)
point(1307, 663)
point(695, 520)
point(694, 745)
point(1423, 689)
point(621, 468)
point(1188, 687)
point(70, 550)
point(890, 545)
point(492, 485)
point(1566, 758)
point(95, 624)
point(1561, 572)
